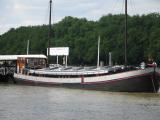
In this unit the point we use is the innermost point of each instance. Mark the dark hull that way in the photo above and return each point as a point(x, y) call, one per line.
point(7, 78)
point(4, 79)
point(135, 84)
point(143, 83)
point(157, 77)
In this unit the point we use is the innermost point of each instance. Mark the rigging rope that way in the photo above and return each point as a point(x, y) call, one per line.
point(123, 7)
point(45, 21)
point(132, 4)
point(114, 6)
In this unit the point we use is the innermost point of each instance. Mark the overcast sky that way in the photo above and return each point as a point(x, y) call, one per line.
point(15, 13)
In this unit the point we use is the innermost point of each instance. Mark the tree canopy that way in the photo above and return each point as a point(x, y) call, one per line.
point(81, 36)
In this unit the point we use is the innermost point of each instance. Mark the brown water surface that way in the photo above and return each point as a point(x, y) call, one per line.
point(46, 103)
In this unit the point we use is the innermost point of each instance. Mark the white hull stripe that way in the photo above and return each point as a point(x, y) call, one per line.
point(106, 78)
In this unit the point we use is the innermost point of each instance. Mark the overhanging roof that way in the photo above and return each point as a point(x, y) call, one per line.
point(14, 57)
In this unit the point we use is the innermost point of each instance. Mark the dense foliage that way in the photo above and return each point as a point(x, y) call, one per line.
point(81, 36)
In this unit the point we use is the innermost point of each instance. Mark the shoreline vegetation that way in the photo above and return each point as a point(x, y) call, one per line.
point(81, 36)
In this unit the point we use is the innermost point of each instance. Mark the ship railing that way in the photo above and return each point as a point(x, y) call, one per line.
point(67, 72)
point(72, 71)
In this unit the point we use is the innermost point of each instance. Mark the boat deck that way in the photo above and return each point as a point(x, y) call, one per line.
point(78, 71)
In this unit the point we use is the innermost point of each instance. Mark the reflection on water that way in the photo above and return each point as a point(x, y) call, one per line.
point(47, 103)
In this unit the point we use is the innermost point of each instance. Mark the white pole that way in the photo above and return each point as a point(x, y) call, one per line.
point(28, 47)
point(57, 60)
point(110, 59)
point(66, 60)
point(99, 39)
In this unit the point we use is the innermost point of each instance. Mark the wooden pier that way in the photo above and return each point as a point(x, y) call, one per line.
point(7, 69)
point(8, 66)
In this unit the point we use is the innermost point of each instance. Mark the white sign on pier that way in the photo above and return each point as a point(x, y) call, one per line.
point(59, 51)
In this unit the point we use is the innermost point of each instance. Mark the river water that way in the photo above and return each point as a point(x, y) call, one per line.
point(19, 102)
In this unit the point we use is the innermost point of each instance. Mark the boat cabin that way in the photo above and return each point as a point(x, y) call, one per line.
point(30, 62)
point(20, 62)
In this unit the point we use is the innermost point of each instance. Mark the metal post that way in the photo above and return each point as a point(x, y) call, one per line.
point(57, 60)
point(110, 59)
point(98, 51)
point(66, 60)
point(28, 47)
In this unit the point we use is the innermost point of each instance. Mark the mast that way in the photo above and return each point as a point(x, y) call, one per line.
point(49, 35)
point(126, 34)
